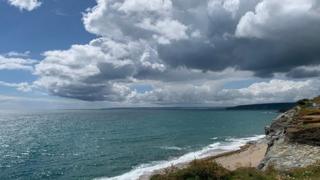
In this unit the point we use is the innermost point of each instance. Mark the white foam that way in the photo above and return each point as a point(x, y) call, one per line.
point(231, 144)
point(172, 148)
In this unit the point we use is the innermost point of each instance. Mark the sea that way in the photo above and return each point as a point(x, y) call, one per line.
point(118, 144)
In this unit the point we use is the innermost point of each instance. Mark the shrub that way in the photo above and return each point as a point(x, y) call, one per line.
point(197, 170)
point(209, 170)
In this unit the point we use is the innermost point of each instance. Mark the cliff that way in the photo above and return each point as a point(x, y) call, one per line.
point(294, 137)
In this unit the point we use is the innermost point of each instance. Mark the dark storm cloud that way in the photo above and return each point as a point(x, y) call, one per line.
point(304, 72)
point(278, 43)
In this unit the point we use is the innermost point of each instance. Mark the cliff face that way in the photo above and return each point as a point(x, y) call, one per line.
point(294, 137)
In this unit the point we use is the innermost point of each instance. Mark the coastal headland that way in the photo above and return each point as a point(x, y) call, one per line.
point(290, 150)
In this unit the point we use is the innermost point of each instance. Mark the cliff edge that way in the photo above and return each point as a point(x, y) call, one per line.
point(294, 137)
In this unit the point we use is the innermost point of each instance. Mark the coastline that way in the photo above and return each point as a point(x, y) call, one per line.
point(248, 155)
point(229, 147)
point(290, 149)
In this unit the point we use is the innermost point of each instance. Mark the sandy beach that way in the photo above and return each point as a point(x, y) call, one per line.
point(249, 155)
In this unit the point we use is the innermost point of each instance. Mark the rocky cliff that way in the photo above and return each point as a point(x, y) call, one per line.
point(294, 137)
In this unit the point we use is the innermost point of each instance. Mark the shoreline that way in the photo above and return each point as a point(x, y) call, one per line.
point(248, 155)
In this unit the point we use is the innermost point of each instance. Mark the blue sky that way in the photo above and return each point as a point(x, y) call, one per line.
point(88, 53)
point(56, 25)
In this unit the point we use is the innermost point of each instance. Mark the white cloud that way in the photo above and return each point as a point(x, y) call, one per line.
point(24, 87)
point(28, 5)
point(95, 71)
point(135, 19)
point(17, 54)
point(231, 6)
point(16, 63)
point(166, 30)
point(273, 19)
point(213, 93)
point(283, 89)
point(129, 6)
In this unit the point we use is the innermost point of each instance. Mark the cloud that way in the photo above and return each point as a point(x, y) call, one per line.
point(28, 5)
point(159, 6)
point(17, 54)
point(185, 50)
point(14, 61)
point(273, 19)
point(276, 91)
point(305, 72)
point(213, 93)
point(286, 37)
point(24, 87)
point(166, 30)
point(95, 71)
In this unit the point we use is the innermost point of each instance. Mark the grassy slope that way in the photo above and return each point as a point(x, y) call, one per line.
point(209, 170)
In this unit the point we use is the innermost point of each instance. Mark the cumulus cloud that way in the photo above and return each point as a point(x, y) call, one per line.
point(285, 37)
point(273, 19)
point(136, 20)
point(166, 30)
point(182, 49)
point(28, 5)
point(95, 71)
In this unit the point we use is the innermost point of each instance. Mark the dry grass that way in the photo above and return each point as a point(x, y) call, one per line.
point(308, 112)
point(317, 100)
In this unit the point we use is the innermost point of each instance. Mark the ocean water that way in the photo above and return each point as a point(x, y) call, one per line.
point(118, 143)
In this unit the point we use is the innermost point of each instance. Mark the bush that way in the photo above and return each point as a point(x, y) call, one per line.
point(197, 170)
point(209, 170)
point(303, 102)
point(252, 174)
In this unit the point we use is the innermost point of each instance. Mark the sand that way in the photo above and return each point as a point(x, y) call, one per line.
point(249, 156)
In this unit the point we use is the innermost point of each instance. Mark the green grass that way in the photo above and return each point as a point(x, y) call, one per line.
point(309, 173)
point(198, 169)
point(209, 170)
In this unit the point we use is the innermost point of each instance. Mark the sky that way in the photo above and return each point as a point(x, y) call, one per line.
point(128, 53)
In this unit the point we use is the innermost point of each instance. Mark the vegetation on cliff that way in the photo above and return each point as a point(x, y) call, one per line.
point(304, 126)
point(209, 170)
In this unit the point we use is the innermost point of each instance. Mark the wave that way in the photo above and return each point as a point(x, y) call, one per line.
point(172, 148)
point(217, 148)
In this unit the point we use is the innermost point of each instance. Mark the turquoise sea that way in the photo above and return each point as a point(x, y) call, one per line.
point(118, 143)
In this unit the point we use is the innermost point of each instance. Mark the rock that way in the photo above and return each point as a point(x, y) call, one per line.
point(293, 140)
point(267, 130)
point(285, 156)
